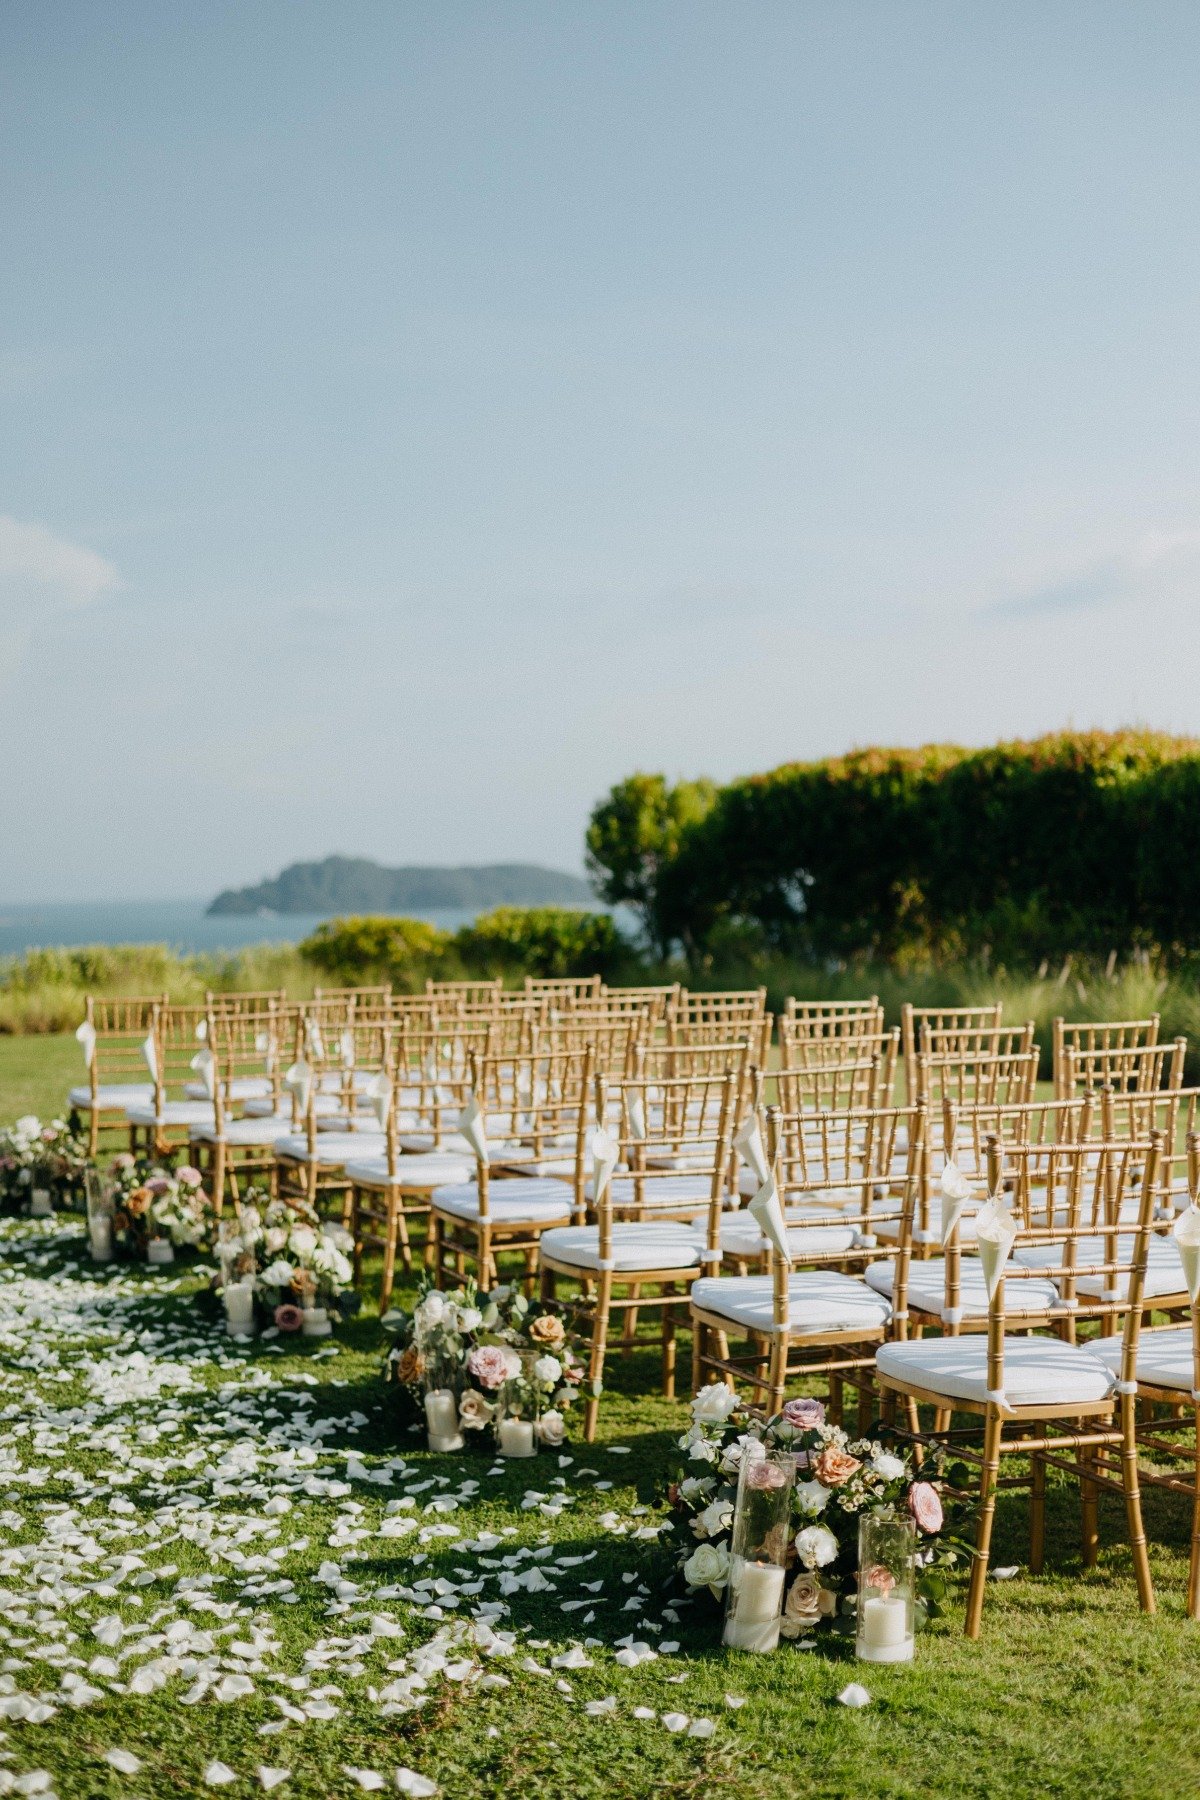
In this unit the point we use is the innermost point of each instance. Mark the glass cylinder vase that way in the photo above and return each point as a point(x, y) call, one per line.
point(518, 1406)
point(100, 1208)
point(887, 1550)
point(441, 1404)
point(758, 1549)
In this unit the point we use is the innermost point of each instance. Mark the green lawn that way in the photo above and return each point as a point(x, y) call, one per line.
point(1070, 1690)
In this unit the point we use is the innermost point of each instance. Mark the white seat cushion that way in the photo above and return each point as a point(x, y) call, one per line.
point(452, 1143)
point(334, 1148)
point(1164, 1356)
point(247, 1133)
point(417, 1172)
point(635, 1245)
point(1164, 1271)
point(662, 1193)
point(927, 1288)
point(172, 1112)
point(818, 1301)
point(242, 1087)
point(1037, 1371)
point(742, 1239)
point(324, 1105)
point(515, 1202)
point(113, 1096)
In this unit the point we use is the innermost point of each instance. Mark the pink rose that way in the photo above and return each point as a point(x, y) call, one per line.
point(925, 1505)
point(761, 1472)
point(288, 1318)
point(188, 1177)
point(159, 1185)
point(492, 1365)
point(804, 1414)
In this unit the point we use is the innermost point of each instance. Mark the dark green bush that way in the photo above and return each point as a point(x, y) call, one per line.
point(540, 940)
point(375, 948)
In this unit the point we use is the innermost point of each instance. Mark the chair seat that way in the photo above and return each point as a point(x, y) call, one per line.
point(665, 1193)
point(418, 1172)
point(635, 1245)
point(452, 1143)
point(516, 1202)
point(242, 1087)
point(742, 1238)
point(1164, 1271)
point(333, 1148)
point(1164, 1356)
point(927, 1288)
point(819, 1301)
point(1037, 1371)
point(324, 1105)
point(172, 1112)
point(244, 1133)
point(113, 1096)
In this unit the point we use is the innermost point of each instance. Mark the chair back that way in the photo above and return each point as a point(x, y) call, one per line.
point(1125, 1068)
point(1102, 1039)
point(939, 1018)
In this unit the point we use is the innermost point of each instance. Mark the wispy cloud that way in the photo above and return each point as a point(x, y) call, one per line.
point(1104, 581)
point(42, 575)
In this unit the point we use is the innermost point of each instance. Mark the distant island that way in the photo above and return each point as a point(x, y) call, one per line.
point(352, 884)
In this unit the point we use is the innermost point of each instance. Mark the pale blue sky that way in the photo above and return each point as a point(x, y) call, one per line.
point(417, 416)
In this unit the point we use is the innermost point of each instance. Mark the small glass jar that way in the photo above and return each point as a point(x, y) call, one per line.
point(758, 1548)
point(518, 1407)
point(887, 1551)
point(441, 1405)
point(100, 1209)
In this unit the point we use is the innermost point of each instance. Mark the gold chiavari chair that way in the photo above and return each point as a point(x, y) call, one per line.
point(832, 1018)
point(691, 1018)
point(164, 1123)
point(1106, 1038)
point(249, 1000)
point(230, 1150)
point(655, 1002)
point(969, 1041)
point(310, 1164)
point(434, 1078)
point(798, 1050)
point(1046, 1399)
point(914, 1019)
point(814, 1082)
point(1137, 1069)
point(652, 1228)
point(117, 1040)
point(984, 1080)
point(564, 990)
point(614, 1037)
point(808, 1315)
point(466, 993)
point(523, 1112)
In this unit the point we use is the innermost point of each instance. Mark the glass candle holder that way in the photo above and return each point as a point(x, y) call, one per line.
point(887, 1550)
point(99, 1193)
point(39, 1204)
point(518, 1405)
point(441, 1405)
point(758, 1549)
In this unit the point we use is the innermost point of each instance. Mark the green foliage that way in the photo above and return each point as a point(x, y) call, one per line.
point(1075, 844)
point(374, 948)
point(540, 940)
point(634, 834)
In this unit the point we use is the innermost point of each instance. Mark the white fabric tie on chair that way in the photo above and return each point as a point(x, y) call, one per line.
point(298, 1082)
point(347, 1048)
point(202, 1031)
point(955, 1190)
point(767, 1213)
point(204, 1064)
point(150, 1054)
point(85, 1034)
point(264, 1043)
point(605, 1155)
point(997, 1397)
point(314, 1043)
point(637, 1117)
point(471, 1126)
point(750, 1147)
point(1186, 1232)
point(1126, 1387)
point(995, 1231)
point(379, 1097)
point(952, 1315)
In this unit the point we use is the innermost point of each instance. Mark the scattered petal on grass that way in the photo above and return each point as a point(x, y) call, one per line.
point(644, 1712)
point(272, 1778)
point(124, 1761)
point(701, 1728)
point(219, 1774)
point(854, 1695)
point(595, 1708)
point(1008, 1573)
point(676, 1721)
point(419, 1786)
point(367, 1779)
point(735, 1700)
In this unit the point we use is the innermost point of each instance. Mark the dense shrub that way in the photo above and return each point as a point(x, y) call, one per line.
point(377, 948)
point(540, 940)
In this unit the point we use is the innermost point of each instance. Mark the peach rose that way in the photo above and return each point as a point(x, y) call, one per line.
point(411, 1366)
point(548, 1330)
point(834, 1467)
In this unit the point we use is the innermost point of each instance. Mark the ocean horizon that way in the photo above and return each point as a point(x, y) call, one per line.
point(180, 924)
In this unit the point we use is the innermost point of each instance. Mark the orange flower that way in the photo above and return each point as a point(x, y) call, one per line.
point(549, 1330)
point(411, 1366)
point(833, 1467)
point(138, 1201)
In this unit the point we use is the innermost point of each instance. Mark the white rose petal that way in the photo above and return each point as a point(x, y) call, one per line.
point(123, 1760)
point(219, 1774)
point(854, 1695)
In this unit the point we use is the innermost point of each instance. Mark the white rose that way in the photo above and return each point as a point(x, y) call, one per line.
point(707, 1566)
point(29, 1125)
point(552, 1427)
point(713, 1404)
point(700, 1450)
point(339, 1237)
point(695, 1487)
point(887, 1467)
point(279, 1274)
point(304, 1240)
point(547, 1370)
point(469, 1318)
point(816, 1546)
point(275, 1240)
point(813, 1497)
point(432, 1311)
point(714, 1520)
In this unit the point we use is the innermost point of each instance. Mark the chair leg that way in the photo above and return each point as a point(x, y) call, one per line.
point(697, 1354)
point(1193, 1599)
point(668, 1349)
point(987, 1515)
point(723, 1352)
point(1037, 1513)
point(388, 1279)
point(778, 1374)
point(629, 1332)
point(596, 1360)
point(1133, 1506)
point(1089, 1508)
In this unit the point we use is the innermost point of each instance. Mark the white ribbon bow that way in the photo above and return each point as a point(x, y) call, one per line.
point(471, 1126)
point(201, 1030)
point(637, 1117)
point(204, 1063)
point(314, 1043)
point(1186, 1232)
point(955, 1191)
point(298, 1082)
point(347, 1049)
point(264, 1043)
point(996, 1231)
point(379, 1097)
point(85, 1034)
point(605, 1153)
point(150, 1054)
point(767, 1212)
point(750, 1147)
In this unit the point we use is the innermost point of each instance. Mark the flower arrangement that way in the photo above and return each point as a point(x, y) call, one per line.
point(295, 1260)
point(150, 1201)
point(485, 1346)
point(33, 1155)
point(838, 1479)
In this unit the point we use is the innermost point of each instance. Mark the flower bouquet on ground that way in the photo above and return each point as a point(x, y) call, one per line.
point(157, 1211)
point(838, 1480)
point(500, 1355)
point(46, 1159)
point(298, 1266)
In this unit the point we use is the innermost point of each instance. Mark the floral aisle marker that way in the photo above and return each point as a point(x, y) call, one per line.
point(838, 1479)
point(292, 1268)
point(151, 1204)
point(48, 1159)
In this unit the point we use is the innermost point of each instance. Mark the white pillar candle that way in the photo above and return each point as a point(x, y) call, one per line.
point(753, 1620)
point(101, 1238)
point(316, 1322)
point(517, 1437)
point(883, 1634)
point(39, 1205)
point(441, 1419)
point(239, 1309)
point(160, 1250)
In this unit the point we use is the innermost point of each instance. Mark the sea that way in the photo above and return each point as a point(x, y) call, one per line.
point(180, 924)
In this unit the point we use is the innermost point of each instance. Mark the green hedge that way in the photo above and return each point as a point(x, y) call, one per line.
point(1074, 844)
point(510, 941)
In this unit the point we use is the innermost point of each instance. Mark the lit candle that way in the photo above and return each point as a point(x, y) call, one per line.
point(316, 1322)
point(101, 1238)
point(160, 1250)
point(441, 1419)
point(883, 1634)
point(239, 1309)
point(753, 1621)
point(517, 1438)
point(39, 1205)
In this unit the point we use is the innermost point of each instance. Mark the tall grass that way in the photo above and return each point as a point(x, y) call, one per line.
point(45, 990)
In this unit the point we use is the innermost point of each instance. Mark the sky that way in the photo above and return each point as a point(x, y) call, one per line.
point(415, 417)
